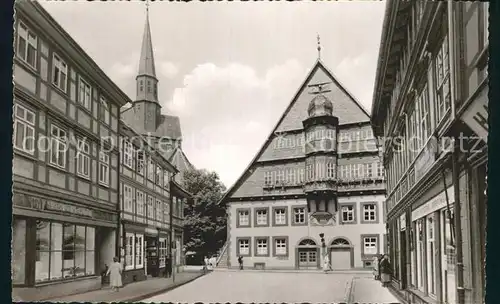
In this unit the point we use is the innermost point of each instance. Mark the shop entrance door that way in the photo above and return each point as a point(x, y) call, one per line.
point(152, 258)
point(402, 254)
point(308, 258)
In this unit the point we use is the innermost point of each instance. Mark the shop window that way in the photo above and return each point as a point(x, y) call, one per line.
point(129, 251)
point(431, 273)
point(420, 255)
point(163, 251)
point(63, 251)
point(18, 260)
point(448, 258)
point(139, 251)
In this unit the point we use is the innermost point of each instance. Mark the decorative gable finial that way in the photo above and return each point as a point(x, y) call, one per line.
point(319, 47)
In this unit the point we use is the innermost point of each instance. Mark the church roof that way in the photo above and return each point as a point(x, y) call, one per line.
point(318, 65)
point(168, 125)
point(179, 159)
point(147, 61)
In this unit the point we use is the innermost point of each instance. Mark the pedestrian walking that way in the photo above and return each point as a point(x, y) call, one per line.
point(213, 261)
point(115, 275)
point(240, 261)
point(380, 257)
point(385, 271)
point(375, 268)
point(326, 264)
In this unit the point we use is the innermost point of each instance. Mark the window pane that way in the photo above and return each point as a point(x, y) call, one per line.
point(42, 247)
point(80, 251)
point(90, 240)
point(56, 243)
point(18, 261)
point(90, 262)
point(69, 243)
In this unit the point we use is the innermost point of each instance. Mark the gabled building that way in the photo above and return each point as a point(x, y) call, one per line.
point(431, 107)
point(146, 204)
point(163, 132)
point(65, 162)
point(315, 188)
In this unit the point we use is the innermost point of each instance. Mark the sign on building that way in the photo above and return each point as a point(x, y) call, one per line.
point(476, 115)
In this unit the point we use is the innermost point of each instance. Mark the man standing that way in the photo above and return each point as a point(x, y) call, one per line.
point(240, 261)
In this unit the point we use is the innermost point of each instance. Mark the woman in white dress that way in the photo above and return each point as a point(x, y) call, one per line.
point(326, 264)
point(115, 273)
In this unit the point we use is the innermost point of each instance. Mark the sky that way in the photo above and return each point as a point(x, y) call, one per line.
point(229, 69)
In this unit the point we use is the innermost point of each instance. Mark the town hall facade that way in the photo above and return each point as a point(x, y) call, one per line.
point(315, 188)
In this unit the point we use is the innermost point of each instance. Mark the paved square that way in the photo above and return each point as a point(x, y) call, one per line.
point(254, 286)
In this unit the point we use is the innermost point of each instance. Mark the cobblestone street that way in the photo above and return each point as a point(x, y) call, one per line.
point(255, 286)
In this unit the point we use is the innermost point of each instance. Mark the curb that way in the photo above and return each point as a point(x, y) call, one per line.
point(160, 291)
point(354, 272)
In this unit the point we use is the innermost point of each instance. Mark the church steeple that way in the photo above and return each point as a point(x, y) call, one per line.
point(147, 83)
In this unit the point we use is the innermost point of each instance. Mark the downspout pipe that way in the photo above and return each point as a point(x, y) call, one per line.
point(119, 227)
point(458, 223)
point(455, 156)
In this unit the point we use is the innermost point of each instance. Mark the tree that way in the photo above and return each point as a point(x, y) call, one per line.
point(205, 216)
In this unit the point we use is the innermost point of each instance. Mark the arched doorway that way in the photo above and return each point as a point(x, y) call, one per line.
point(341, 254)
point(307, 253)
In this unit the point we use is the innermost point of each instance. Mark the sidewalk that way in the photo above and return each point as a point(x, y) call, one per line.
point(133, 292)
point(357, 272)
point(368, 290)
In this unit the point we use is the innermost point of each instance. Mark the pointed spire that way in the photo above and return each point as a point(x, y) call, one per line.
point(319, 47)
point(147, 61)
